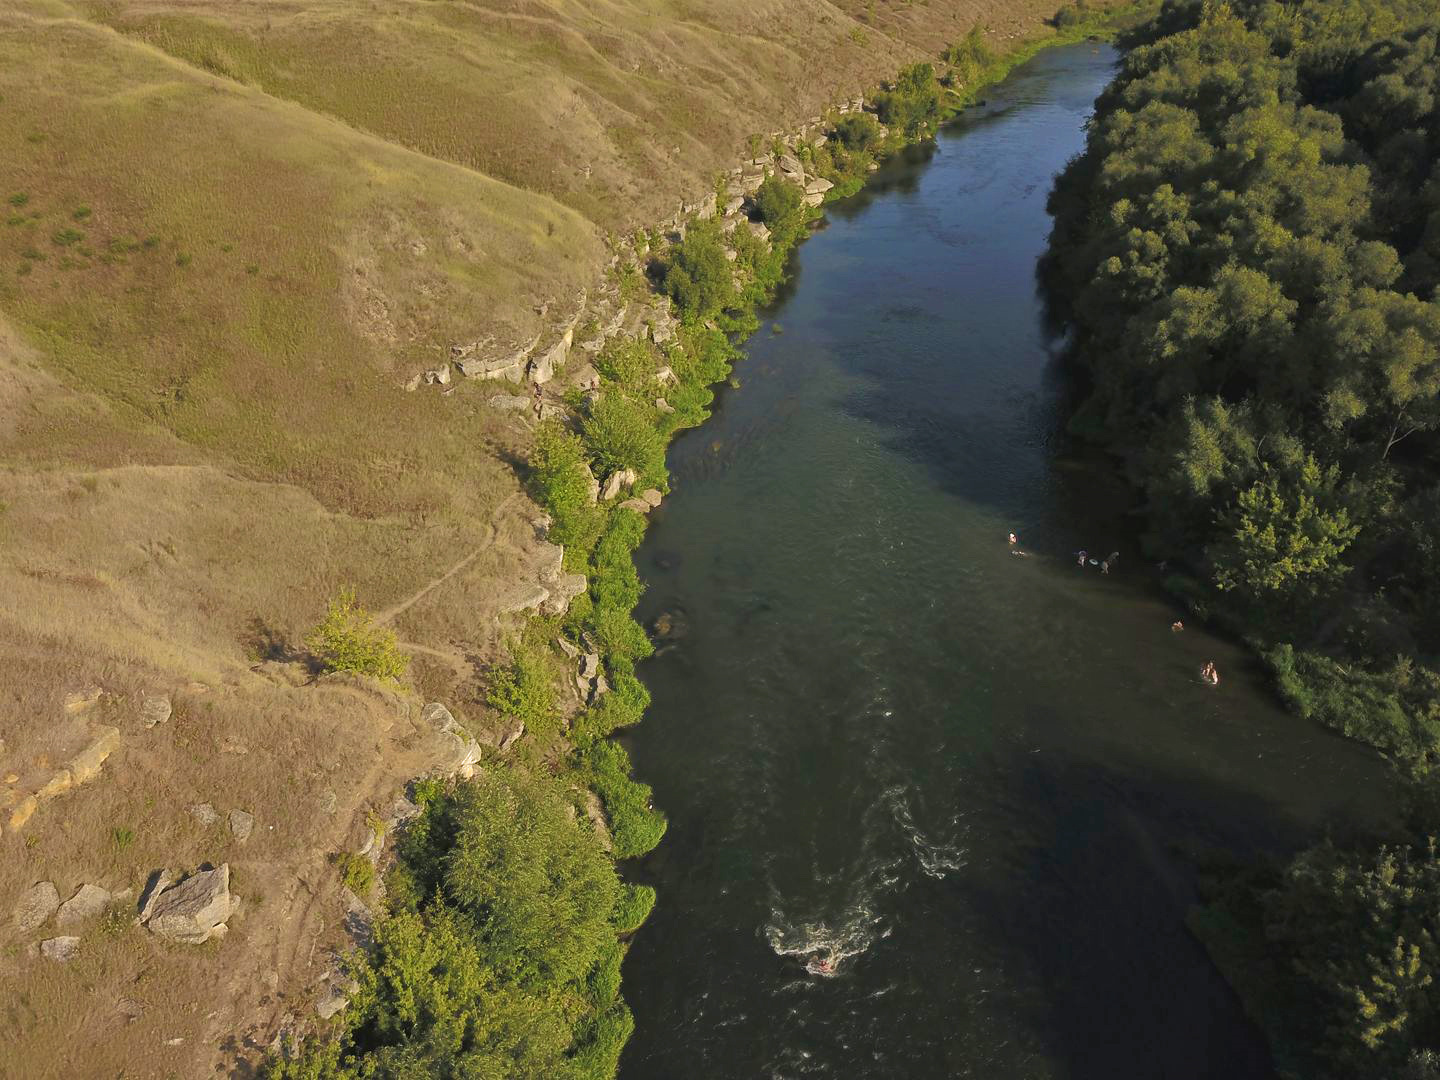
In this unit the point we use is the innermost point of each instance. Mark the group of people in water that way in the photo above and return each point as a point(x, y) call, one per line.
point(1208, 674)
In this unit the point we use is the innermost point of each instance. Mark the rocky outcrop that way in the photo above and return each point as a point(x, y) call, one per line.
point(563, 589)
point(203, 812)
point(80, 769)
point(195, 910)
point(38, 903)
point(511, 402)
point(465, 750)
point(159, 881)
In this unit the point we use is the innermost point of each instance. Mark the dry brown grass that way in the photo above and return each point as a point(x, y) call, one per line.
point(228, 230)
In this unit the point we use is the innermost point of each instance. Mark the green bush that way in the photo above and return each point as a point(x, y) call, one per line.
point(598, 1057)
point(347, 639)
point(778, 200)
point(636, 903)
point(561, 481)
point(621, 434)
point(604, 981)
point(636, 827)
point(914, 101)
point(357, 872)
point(525, 689)
point(628, 362)
point(698, 277)
point(857, 132)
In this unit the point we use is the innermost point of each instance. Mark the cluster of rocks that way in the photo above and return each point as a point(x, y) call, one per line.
point(193, 910)
point(240, 822)
point(515, 362)
point(551, 590)
point(590, 673)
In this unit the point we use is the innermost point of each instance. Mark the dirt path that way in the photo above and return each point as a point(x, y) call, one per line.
point(404, 605)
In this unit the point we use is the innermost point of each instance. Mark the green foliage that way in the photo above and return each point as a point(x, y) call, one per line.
point(1395, 707)
point(628, 362)
point(357, 872)
point(347, 639)
point(698, 277)
point(636, 826)
point(504, 961)
point(1070, 16)
point(970, 57)
point(636, 903)
point(1361, 937)
point(1286, 532)
point(621, 433)
point(778, 200)
point(857, 132)
point(913, 103)
point(525, 689)
point(561, 481)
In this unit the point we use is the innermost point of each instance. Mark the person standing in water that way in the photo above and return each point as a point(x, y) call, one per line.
point(1080, 558)
point(1014, 539)
point(1209, 674)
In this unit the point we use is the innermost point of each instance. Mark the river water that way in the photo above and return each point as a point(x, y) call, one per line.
point(972, 778)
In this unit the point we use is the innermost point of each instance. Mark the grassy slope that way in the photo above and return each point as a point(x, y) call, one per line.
point(231, 230)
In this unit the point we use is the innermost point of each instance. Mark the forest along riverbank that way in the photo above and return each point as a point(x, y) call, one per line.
point(969, 777)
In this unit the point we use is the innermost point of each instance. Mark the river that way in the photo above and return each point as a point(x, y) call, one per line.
point(971, 777)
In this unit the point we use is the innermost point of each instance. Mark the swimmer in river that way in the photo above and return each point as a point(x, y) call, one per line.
point(1014, 539)
point(1177, 626)
point(1105, 566)
point(1080, 558)
point(1209, 674)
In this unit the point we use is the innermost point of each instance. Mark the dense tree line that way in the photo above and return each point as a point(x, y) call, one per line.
point(1248, 251)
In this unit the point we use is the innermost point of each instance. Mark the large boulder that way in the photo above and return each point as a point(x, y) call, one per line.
point(791, 167)
point(241, 824)
point(88, 902)
point(818, 186)
point(38, 903)
point(195, 910)
point(465, 752)
point(616, 481)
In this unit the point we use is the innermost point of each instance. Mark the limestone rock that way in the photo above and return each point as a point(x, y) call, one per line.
point(791, 167)
point(758, 229)
point(511, 402)
point(85, 765)
point(155, 710)
point(544, 366)
point(23, 812)
point(592, 486)
point(589, 665)
point(466, 751)
point(241, 824)
point(204, 813)
point(195, 910)
point(331, 1002)
point(652, 496)
point(83, 699)
point(599, 690)
point(552, 561)
point(819, 141)
point(58, 784)
point(640, 506)
point(438, 376)
point(818, 186)
point(734, 206)
point(622, 478)
point(523, 596)
point(39, 902)
point(750, 183)
point(60, 949)
point(587, 378)
point(510, 734)
point(664, 375)
point(706, 209)
point(570, 650)
point(159, 881)
point(88, 902)
point(563, 590)
point(663, 405)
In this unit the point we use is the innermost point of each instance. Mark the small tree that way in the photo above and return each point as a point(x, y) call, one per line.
point(347, 639)
point(698, 278)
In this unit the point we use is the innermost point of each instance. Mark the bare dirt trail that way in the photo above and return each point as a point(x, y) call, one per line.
point(404, 605)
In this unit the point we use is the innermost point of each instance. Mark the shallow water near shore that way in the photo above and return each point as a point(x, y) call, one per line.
point(970, 779)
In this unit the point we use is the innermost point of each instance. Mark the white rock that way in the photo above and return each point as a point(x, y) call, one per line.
point(39, 902)
point(88, 902)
